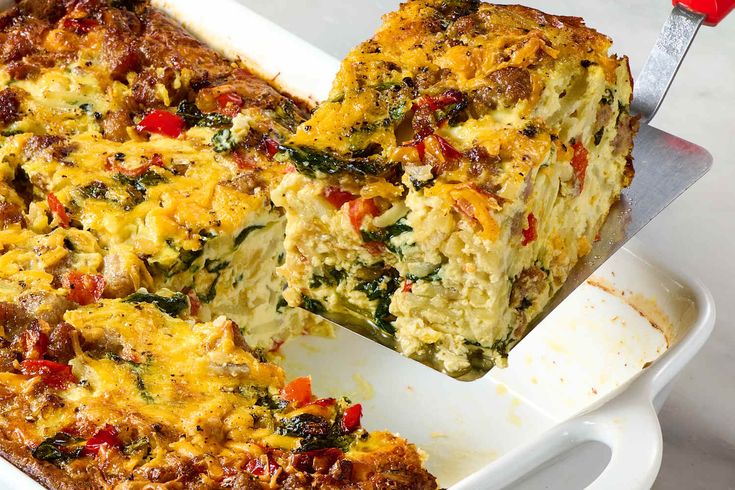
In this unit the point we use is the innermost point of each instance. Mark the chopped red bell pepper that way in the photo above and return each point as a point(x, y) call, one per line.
point(58, 209)
point(418, 143)
point(324, 402)
point(229, 103)
point(271, 146)
point(337, 197)
point(107, 435)
point(421, 148)
point(580, 161)
point(243, 161)
point(258, 468)
point(298, 391)
point(359, 208)
point(114, 166)
point(34, 343)
point(439, 101)
point(162, 122)
point(80, 26)
point(530, 234)
point(407, 286)
point(276, 346)
point(84, 289)
point(195, 303)
point(351, 418)
point(52, 373)
point(449, 152)
point(156, 161)
point(374, 248)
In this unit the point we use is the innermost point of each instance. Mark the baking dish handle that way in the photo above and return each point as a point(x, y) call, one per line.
point(628, 425)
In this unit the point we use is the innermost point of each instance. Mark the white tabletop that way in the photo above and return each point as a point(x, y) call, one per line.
point(699, 418)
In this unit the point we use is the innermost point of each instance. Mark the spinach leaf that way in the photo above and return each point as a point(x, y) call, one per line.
point(282, 303)
point(383, 318)
point(94, 190)
point(331, 277)
point(431, 276)
point(384, 235)
point(142, 444)
point(137, 187)
point(265, 399)
point(312, 305)
point(316, 432)
point(223, 141)
point(187, 257)
point(214, 266)
point(245, 232)
point(309, 161)
point(285, 115)
point(304, 425)
point(397, 112)
point(172, 305)
point(59, 448)
point(380, 289)
point(211, 293)
point(194, 117)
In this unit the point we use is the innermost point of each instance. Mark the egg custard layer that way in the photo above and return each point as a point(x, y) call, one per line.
point(466, 158)
point(139, 297)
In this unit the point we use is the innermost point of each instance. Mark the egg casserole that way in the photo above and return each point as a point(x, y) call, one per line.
point(466, 158)
point(138, 251)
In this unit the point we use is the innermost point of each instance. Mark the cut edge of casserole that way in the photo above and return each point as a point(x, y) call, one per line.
point(466, 158)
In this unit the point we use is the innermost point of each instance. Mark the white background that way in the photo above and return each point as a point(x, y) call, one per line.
point(697, 232)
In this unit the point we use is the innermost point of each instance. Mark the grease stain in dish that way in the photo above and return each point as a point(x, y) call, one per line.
point(513, 417)
point(647, 308)
point(364, 390)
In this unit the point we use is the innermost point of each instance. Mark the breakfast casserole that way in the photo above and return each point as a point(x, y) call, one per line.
point(467, 156)
point(139, 297)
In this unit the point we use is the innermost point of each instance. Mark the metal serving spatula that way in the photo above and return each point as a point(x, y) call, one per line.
point(665, 166)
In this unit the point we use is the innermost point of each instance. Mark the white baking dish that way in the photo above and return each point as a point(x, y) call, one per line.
point(595, 370)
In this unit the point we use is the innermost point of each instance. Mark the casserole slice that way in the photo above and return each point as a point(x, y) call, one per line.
point(466, 158)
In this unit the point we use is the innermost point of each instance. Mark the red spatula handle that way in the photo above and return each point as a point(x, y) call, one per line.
point(713, 10)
